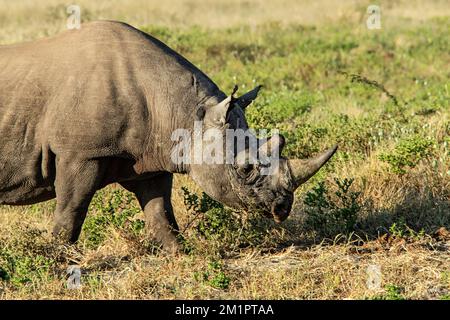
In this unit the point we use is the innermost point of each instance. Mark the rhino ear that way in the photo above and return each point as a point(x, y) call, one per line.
point(217, 114)
point(244, 100)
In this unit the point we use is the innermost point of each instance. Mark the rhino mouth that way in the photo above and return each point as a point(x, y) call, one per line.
point(278, 210)
point(281, 208)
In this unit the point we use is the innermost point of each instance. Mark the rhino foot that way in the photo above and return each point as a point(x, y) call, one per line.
point(154, 197)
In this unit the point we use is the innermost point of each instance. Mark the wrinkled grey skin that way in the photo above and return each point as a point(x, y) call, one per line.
point(96, 106)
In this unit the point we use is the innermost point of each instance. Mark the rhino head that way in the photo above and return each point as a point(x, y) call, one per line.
point(266, 185)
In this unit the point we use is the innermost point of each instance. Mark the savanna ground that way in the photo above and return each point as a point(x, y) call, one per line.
point(371, 225)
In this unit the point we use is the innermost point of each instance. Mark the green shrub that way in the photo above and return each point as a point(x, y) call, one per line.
point(330, 214)
point(114, 209)
point(222, 227)
point(407, 153)
point(28, 257)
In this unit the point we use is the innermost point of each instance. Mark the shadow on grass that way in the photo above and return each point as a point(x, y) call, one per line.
point(417, 215)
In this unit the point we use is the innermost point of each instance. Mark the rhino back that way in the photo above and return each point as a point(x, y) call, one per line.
point(104, 90)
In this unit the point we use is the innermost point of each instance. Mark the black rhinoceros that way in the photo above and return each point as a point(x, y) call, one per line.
point(98, 105)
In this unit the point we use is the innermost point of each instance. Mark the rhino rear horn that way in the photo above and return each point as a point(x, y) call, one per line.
point(272, 146)
point(303, 169)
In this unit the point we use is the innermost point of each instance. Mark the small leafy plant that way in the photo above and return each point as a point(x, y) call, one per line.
point(214, 276)
point(392, 292)
point(401, 230)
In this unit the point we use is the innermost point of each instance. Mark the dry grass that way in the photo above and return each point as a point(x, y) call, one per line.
point(417, 270)
point(27, 19)
point(296, 266)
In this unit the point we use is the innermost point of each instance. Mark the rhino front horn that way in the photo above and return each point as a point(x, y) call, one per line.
point(303, 169)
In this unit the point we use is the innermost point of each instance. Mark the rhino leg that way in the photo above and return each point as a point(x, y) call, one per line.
point(75, 185)
point(154, 196)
